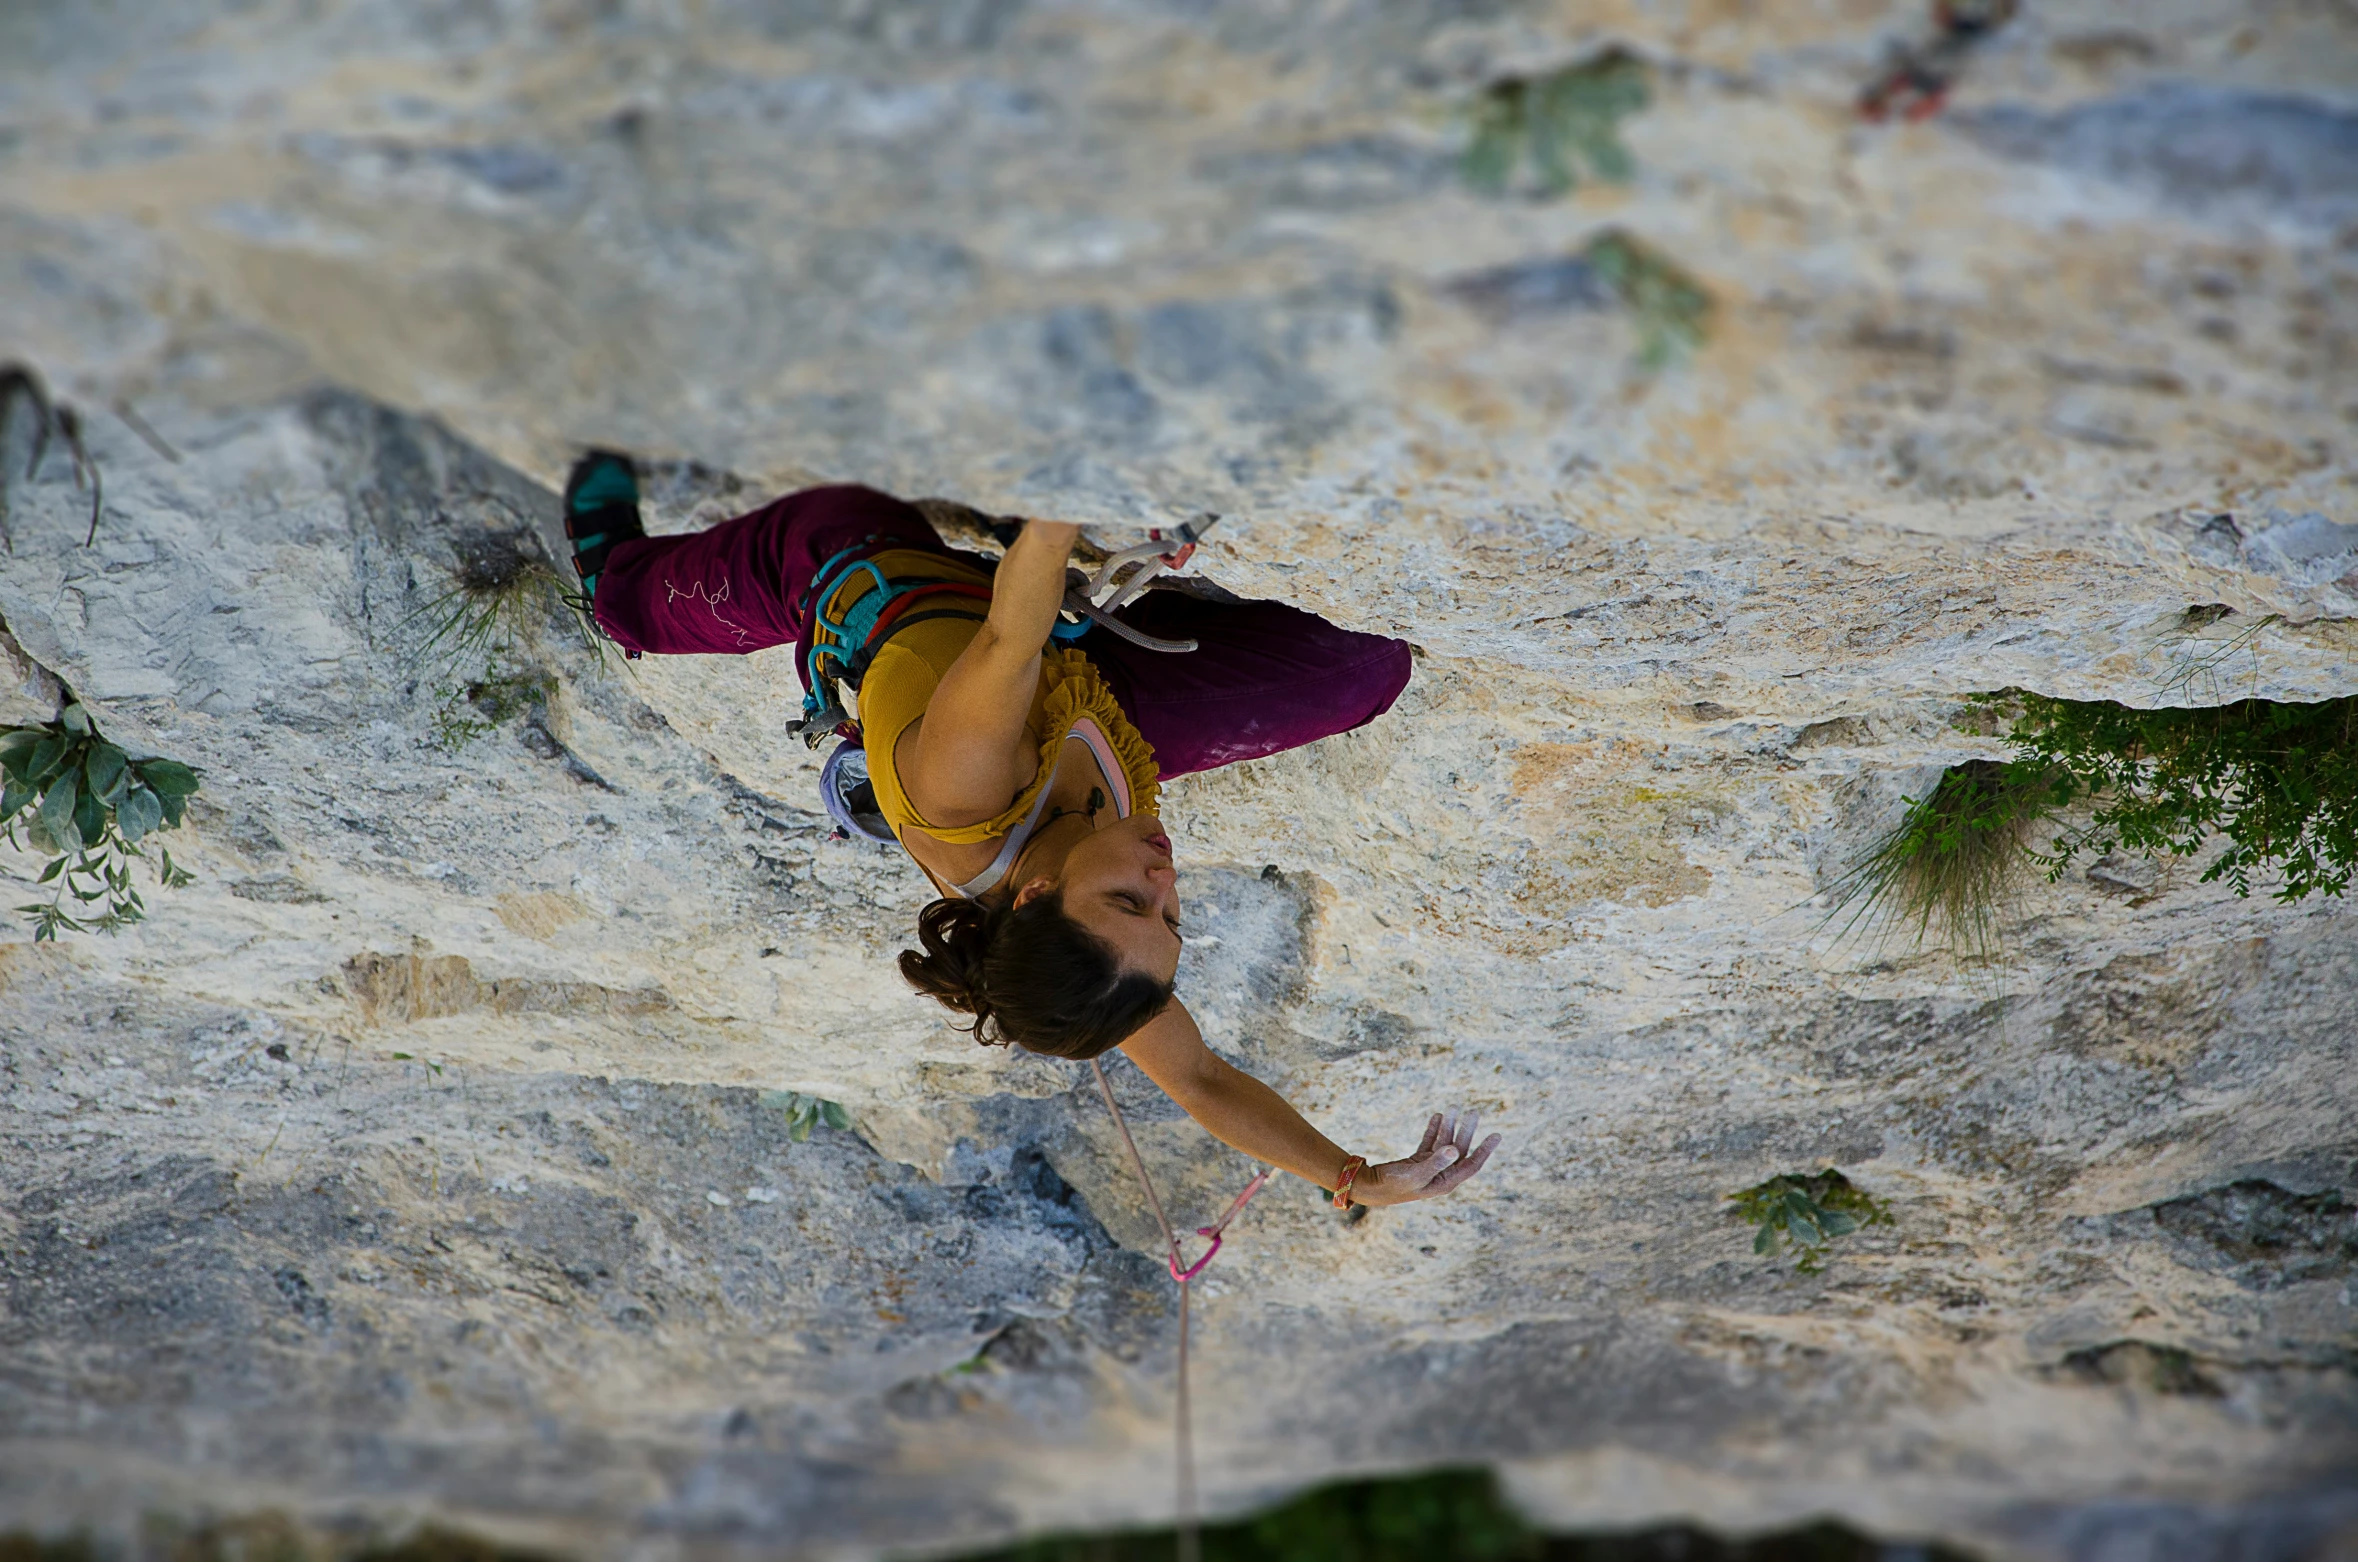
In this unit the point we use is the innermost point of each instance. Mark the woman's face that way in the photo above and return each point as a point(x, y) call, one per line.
point(1119, 883)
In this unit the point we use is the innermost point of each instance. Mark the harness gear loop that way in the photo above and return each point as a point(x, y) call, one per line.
point(849, 641)
point(1190, 1540)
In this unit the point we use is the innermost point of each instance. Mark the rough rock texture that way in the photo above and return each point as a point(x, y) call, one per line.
point(416, 1160)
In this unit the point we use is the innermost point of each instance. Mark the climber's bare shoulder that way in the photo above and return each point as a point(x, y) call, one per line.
point(957, 773)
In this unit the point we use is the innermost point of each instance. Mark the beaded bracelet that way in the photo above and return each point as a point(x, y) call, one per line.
point(1351, 1170)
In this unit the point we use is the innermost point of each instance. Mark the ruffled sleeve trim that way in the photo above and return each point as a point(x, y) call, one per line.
point(1077, 691)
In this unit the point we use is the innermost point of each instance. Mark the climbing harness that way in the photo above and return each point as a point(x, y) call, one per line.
point(845, 642)
point(842, 645)
point(1182, 1273)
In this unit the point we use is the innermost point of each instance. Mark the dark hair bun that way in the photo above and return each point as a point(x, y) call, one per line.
point(955, 934)
point(1031, 976)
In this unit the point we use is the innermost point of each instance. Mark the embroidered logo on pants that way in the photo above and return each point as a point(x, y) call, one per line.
point(712, 601)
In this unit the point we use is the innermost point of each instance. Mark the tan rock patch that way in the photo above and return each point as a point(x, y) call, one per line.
point(396, 989)
point(540, 914)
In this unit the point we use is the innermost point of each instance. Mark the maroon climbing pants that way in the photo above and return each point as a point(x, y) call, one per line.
point(1265, 677)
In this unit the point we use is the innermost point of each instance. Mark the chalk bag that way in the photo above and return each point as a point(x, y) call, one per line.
point(851, 797)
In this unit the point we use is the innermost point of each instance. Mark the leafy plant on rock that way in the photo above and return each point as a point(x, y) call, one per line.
point(89, 804)
point(1459, 1514)
point(1557, 121)
point(804, 1113)
point(1806, 1214)
point(1671, 309)
point(2278, 781)
point(465, 712)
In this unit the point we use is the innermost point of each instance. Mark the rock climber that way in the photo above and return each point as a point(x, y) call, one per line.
point(1021, 775)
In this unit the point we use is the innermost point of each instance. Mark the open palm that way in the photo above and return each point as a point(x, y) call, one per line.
point(1447, 1158)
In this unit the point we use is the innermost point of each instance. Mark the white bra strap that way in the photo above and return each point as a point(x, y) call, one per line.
point(1086, 733)
point(987, 880)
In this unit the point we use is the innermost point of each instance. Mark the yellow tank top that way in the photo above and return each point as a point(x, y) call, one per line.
point(901, 681)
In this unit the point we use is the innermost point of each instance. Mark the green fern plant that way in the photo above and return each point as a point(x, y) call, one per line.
point(1806, 1214)
point(804, 1113)
point(89, 804)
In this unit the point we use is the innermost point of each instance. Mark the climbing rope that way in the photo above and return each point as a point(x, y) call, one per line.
point(1190, 1539)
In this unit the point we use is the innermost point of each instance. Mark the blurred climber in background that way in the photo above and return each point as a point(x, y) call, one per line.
point(1021, 774)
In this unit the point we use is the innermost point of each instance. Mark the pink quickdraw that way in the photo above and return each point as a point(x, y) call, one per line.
point(1173, 560)
point(1216, 1227)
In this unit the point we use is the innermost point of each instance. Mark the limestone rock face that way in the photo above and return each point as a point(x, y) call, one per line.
point(425, 1157)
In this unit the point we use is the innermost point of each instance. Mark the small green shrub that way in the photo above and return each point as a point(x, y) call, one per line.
point(1806, 1214)
point(88, 803)
point(2278, 781)
point(1458, 1514)
point(1556, 121)
point(1953, 857)
point(465, 712)
point(804, 1113)
point(1671, 309)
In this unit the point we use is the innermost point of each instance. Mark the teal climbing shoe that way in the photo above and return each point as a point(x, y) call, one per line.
point(601, 509)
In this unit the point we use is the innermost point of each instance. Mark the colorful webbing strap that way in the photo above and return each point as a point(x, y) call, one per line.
point(852, 639)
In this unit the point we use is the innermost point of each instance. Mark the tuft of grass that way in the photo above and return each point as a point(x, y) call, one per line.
point(1954, 857)
point(20, 380)
point(1558, 123)
point(482, 637)
point(89, 804)
point(804, 1113)
point(1806, 1214)
point(2200, 663)
point(498, 596)
point(1672, 310)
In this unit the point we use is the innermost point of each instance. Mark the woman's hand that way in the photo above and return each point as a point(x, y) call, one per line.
point(1447, 1158)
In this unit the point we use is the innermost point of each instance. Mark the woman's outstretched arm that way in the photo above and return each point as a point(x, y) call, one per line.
point(1238, 1110)
point(960, 761)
